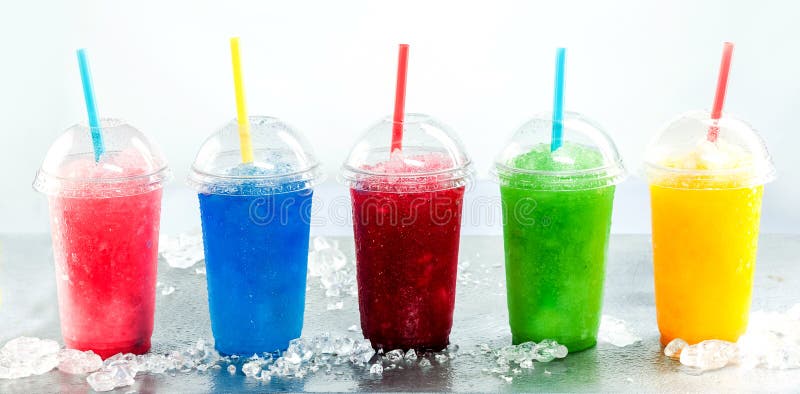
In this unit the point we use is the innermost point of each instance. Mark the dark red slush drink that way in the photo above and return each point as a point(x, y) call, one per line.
point(406, 237)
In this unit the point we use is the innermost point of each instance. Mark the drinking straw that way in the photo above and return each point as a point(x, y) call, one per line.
point(558, 100)
point(400, 98)
point(722, 85)
point(91, 105)
point(245, 144)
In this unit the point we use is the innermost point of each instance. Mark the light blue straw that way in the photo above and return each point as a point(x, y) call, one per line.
point(91, 105)
point(558, 100)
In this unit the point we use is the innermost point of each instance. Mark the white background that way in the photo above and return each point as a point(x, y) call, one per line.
point(328, 67)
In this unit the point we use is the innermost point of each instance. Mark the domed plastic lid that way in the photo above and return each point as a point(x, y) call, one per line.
point(681, 155)
point(432, 158)
point(587, 158)
point(131, 163)
point(283, 161)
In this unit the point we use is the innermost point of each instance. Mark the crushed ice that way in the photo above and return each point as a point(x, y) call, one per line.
point(616, 332)
point(25, 356)
point(512, 359)
point(709, 355)
point(772, 341)
point(77, 362)
point(335, 271)
point(674, 348)
point(182, 250)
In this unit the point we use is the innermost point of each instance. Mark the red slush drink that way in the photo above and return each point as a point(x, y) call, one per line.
point(407, 222)
point(407, 253)
point(106, 270)
point(104, 225)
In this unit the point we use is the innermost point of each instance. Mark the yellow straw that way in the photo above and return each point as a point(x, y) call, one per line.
point(241, 108)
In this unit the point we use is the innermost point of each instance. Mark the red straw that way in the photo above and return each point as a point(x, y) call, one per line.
point(722, 85)
point(400, 98)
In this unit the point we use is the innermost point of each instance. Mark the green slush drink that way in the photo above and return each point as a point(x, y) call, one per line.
point(556, 221)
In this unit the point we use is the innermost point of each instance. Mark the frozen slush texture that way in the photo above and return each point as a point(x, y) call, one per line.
point(106, 253)
point(256, 251)
point(407, 254)
point(704, 246)
point(570, 156)
point(556, 240)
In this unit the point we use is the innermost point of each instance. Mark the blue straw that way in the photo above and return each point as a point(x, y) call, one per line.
point(91, 106)
point(558, 100)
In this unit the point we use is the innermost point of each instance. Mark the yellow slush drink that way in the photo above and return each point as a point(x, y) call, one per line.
point(706, 206)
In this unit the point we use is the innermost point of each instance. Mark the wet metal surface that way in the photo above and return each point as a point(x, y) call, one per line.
point(28, 307)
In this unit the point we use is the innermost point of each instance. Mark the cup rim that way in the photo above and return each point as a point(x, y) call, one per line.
point(748, 176)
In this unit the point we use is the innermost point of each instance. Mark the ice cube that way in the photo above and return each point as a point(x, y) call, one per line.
point(77, 362)
point(376, 369)
point(123, 372)
point(362, 352)
point(353, 328)
point(101, 381)
point(395, 356)
point(298, 351)
point(167, 290)
point(674, 348)
point(13, 369)
point(117, 373)
point(130, 359)
point(251, 368)
point(441, 358)
point(615, 332)
point(545, 351)
point(324, 344)
point(424, 363)
point(29, 348)
point(44, 364)
point(526, 364)
point(344, 346)
point(292, 357)
point(232, 369)
point(411, 355)
point(709, 355)
point(25, 356)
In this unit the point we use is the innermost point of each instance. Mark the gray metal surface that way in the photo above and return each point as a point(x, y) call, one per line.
point(28, 307)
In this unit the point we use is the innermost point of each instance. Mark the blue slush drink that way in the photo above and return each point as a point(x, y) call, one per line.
point(255, 220)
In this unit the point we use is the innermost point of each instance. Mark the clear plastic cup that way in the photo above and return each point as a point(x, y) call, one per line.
point(255, 220)
point(706, 206)
point(407, 220)
point(556, 222)
point(104, 219)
